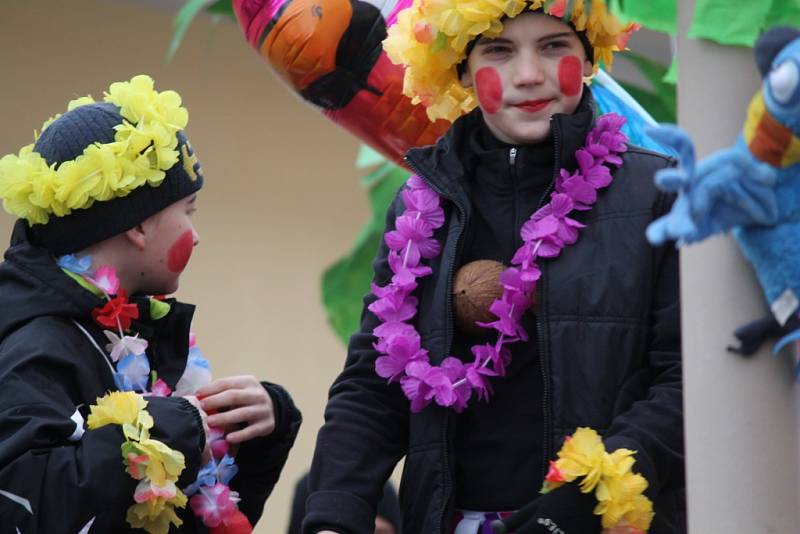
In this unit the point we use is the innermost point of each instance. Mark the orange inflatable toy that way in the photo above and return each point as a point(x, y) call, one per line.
point(330, 52)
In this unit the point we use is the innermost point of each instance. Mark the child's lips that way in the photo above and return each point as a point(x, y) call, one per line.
point(532, 106)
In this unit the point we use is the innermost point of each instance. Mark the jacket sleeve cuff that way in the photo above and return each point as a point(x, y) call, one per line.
point(643, 465)
point(180, 426)
point(338, 511)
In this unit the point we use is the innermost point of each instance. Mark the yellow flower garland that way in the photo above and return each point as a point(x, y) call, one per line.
point(144, 147)
point(619, 491)
point(151, 462)
point(431, 37)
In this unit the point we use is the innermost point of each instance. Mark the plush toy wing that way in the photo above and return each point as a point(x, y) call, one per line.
point(728, 189)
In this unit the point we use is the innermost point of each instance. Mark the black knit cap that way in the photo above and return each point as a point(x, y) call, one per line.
point(64, 140)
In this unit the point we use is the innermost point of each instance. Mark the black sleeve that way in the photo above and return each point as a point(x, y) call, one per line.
point(53, 477)
point(653, 426)
point(365, 432)
point(261, 460)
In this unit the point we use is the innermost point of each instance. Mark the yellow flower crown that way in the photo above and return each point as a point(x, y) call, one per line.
point(431, 37)
point(144, 147)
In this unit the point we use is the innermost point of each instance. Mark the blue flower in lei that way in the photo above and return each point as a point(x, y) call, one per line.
point(133, 373)
point(71, 262)
point(212, 473)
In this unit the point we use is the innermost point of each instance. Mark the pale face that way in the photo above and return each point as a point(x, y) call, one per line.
point(170, 238)
point(532, 71)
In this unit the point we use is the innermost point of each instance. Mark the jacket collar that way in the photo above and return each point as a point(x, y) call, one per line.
point(445, 165)
point(32, 285)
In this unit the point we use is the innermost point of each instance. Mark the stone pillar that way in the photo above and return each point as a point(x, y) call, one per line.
point(743, 473)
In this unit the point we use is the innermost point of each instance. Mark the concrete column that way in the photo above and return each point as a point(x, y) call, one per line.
point(743, 474)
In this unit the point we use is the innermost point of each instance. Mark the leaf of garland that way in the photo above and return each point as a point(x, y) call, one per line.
point(188, 13)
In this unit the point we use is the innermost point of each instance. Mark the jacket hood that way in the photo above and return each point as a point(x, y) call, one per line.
point(32, 285)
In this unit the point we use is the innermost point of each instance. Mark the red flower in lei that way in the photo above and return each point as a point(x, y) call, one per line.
point(116, 313)
point(544, 235)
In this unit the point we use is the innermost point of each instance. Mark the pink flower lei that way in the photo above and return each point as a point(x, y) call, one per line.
point(544, 235)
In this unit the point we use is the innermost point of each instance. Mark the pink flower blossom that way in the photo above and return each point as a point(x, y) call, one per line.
point(160, 389)
point(385, 331)
point(413, 239)
point(214, 504)
point(146, 490)
point(405, 275)
point(400, 350)
point(415, 183)
point(423, 204)
point(105, 277)
point(414, 386)
point(136, 465)
point(393, 304)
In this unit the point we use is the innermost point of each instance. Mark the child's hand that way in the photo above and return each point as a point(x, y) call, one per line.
point(238, 401)
point(206, 456)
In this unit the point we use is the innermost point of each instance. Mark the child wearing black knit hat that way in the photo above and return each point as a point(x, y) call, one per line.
point(109, 418)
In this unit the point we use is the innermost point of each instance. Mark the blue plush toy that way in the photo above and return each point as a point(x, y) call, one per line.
point(752, 187)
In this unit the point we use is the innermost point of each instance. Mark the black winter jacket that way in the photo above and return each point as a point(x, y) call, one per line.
point(53, 479)
point(608, 331)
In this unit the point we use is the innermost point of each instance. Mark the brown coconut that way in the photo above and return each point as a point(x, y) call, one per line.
point(475, 287)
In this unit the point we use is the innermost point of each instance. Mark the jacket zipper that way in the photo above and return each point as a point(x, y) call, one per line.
point(512, 163)
point(446, 487)
point(540, 307)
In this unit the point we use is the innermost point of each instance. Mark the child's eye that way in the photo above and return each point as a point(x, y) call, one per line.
point(496, 49)
point(555, 45)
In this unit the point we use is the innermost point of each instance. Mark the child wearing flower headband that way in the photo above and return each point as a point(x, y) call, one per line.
point(521, 344)
point(109, 418)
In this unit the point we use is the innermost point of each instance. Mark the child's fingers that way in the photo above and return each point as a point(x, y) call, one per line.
point(235, 417)
point(231, 398)
point(249, 432)
point(229, 382)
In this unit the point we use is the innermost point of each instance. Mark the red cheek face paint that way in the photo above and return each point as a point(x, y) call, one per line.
point(569, 75)
point(489, 89)
point(180, 252)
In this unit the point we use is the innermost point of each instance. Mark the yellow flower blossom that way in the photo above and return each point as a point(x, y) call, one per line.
point(76, 103)
point(116, 408)
point(430, 63)
point(156, 515)
point(164, 463)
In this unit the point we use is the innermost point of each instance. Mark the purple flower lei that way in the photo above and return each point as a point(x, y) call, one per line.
point(544, 235)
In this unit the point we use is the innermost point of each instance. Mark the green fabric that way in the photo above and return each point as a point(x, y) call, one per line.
point(158, 309)
point(658, 15)
point(672, 73)
point(740, 22)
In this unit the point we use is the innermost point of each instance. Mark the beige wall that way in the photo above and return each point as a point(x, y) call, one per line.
point(282, 198)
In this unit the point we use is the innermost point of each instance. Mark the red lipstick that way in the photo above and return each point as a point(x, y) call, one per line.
point(532, 106)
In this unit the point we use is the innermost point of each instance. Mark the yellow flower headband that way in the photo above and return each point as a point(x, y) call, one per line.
point(144, 147)
point(431, 37)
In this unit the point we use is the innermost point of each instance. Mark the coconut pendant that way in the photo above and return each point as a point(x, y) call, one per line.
point(475, 287)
